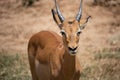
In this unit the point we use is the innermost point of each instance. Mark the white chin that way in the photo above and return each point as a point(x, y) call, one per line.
point(72, 52)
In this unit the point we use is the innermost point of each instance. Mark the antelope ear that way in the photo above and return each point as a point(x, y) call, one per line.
point(56, 18)
point(83, 22)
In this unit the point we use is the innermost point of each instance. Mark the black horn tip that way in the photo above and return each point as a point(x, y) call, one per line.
point(53, 11)
point(88, 18)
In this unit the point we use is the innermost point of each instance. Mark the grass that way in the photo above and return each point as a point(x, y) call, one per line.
point(106, 63)
point(114, 39)
point(106, 54)
point(106, 66)
point(14, 67)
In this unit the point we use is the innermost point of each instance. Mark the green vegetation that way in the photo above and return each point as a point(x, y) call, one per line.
point(108, 55)
point(106, 66)
point(14, 67)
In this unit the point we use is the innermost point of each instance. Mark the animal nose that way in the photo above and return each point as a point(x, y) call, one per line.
point(72, 49)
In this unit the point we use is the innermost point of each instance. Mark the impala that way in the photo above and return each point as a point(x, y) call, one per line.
point(52, 57)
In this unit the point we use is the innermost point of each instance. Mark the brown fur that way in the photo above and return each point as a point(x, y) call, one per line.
point(49, 58)
point(52, 57)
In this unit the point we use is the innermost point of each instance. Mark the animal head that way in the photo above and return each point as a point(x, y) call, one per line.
point(70, 30)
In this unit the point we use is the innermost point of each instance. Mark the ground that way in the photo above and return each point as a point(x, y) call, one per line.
point(98, 42)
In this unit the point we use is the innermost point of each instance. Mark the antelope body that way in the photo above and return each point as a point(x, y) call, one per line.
point(53, 57)
point(48, 54)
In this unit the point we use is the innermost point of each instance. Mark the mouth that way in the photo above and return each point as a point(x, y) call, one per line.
point(72, 52)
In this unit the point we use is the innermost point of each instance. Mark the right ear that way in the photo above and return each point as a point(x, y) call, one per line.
point(56, 18)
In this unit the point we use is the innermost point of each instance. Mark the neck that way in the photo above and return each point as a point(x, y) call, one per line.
point(69, 63)
point(69, 60)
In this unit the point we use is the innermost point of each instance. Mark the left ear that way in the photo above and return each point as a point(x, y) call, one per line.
point(84, 22)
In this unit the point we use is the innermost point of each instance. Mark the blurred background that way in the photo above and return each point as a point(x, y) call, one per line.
point(99, 50)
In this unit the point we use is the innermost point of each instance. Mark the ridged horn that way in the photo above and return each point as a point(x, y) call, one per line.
point(58, 12)
point(79, 15)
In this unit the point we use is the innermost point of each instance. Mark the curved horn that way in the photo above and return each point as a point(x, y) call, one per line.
point(79, 15)
point(58, 12)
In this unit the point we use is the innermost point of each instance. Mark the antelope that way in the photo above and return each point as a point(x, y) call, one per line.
point(53, 57)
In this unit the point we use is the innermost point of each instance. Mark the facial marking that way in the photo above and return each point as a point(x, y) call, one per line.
point(72, 32)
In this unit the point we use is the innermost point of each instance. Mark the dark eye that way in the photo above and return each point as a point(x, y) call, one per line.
point(78, 33)
point(63, 33)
